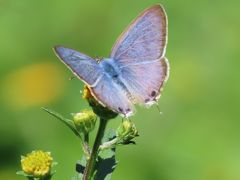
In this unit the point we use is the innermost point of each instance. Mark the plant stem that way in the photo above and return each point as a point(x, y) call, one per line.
point(92, 161)
point(109, 144)
point(86, 138)
point(85, 145)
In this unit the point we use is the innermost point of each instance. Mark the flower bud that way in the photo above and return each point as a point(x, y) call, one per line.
point(37, 164)
point(127, 130)
point(85, 121)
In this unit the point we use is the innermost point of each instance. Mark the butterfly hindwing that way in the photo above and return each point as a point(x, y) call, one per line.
point(107, 92)
point(144, 81)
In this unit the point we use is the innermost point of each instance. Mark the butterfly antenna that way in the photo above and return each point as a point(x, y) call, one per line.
point(158, 108)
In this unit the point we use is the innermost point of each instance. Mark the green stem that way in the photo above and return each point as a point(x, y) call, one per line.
point(109, 144)
point(86, 138)
point(85, 145)
point(92, 161)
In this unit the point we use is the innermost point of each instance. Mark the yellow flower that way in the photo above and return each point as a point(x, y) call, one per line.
point(86, 93)
point(37, 163)
point(89, 97)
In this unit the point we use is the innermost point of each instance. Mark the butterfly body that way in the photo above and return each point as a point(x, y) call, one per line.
point(136, 69)
point(110, 68)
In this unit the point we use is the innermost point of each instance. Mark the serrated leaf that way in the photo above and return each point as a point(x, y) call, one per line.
point(80, 166)
point(107, 153)
point(77, 177)
point(128, 142)
point(105, 165)
point(64, 120)
point(109, 135)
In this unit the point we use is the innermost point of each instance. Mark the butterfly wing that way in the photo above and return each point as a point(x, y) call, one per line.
point(145, 39)
point(101, 86)
point(83, 66)
point(145, 82)
point(139, 54)
point(107, 92)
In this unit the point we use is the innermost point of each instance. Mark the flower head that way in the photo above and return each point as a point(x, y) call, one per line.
point(86, 93)
point(37, 163)
point(85, 121)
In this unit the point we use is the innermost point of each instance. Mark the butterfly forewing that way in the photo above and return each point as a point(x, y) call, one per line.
point(145, 39)
point(139, 53)
point(82, 66)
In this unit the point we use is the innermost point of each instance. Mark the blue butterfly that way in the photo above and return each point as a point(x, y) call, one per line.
point(136, 69)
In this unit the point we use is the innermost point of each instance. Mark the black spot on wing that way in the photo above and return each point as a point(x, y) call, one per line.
point(153, 93)
point(147, 100)
point(128, 110)
point(120, 109)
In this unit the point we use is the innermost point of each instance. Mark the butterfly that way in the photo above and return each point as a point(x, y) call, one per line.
point(136, 69)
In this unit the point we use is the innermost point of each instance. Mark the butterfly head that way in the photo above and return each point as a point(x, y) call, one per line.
point(98, 58)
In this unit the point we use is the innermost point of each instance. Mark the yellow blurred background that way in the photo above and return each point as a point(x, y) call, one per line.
point(197, 135)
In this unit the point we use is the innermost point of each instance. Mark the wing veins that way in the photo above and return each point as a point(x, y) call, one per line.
point(96, 82)
point(140, 63)
point(133, 43)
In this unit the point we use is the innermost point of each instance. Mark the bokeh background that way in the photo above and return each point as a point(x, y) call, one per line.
point(197, 136)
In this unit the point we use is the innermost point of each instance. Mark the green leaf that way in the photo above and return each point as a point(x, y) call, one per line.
point(109, 135)
point(106, 162)
point(107, 153)
point(127, 142)
point(67, 122)
point(105, 165)
point(77, 177)
point(80, 166)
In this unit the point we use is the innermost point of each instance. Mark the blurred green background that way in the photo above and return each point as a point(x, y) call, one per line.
point(197, 135)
